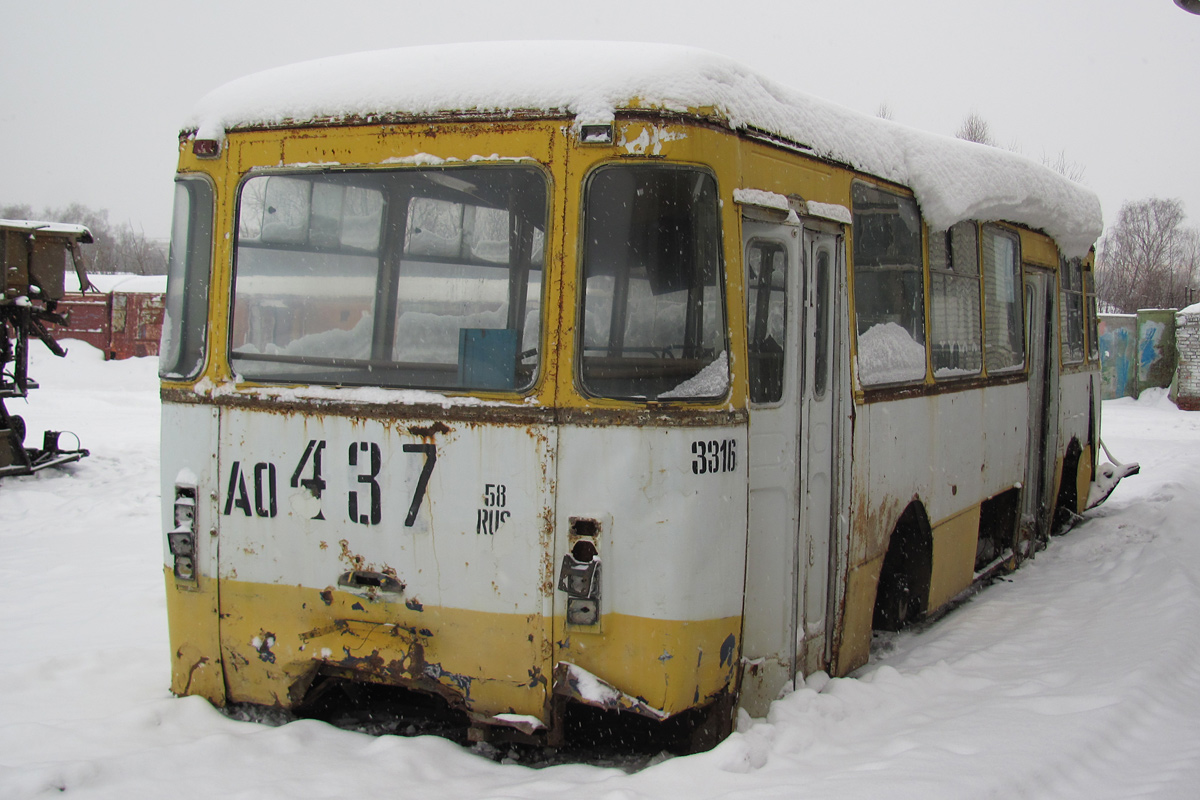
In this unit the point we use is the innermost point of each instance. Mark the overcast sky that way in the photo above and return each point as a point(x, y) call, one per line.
point(92, 94)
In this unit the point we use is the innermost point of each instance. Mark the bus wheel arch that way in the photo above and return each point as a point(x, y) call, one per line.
point(1066, 505)
point(902, 593)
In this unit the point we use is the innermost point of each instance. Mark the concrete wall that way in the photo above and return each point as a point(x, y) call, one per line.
point(1137, 352)
point(1118, 356)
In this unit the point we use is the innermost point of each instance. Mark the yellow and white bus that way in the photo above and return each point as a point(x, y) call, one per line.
point(556, 375)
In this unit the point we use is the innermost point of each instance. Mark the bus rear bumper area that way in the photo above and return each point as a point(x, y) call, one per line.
point(572, 684)
point(1108, 475)
point(576, 683)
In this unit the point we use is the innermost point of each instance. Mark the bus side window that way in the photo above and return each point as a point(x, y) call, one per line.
point(1089, 288)
point(184, 332)
point(766, 318)
point(889, 286)
point(1004, 318)
point(821, 304)
point(1071, 310)
point(957, 341)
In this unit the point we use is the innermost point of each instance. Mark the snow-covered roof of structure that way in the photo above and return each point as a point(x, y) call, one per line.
point(79, 232)
point(108, 283)
point(952, 179)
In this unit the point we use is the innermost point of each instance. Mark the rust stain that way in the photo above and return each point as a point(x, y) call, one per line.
point(338, 626)
point(419, 417)
point(547, 554)
point(203, 660)
point(429, 431)
point(353, 560)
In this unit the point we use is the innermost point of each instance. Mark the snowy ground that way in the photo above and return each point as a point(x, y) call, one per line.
point(1078, 677)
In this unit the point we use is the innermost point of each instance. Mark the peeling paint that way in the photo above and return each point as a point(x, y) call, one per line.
point(262, 644)
point(727, 650)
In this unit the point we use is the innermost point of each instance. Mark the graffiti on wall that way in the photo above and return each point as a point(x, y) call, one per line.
point(1136, 352)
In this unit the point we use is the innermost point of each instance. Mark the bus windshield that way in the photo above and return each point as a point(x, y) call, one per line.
point(410, 278)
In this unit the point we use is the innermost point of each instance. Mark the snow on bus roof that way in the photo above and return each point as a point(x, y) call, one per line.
point(952, 179)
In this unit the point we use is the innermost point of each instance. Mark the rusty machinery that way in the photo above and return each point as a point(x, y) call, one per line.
point(32, 260)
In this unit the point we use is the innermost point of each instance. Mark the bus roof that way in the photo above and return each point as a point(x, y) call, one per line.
point(65, 229)
point(952, 179)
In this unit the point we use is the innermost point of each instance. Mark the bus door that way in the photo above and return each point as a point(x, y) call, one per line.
point(1043, 443)
point(823, 261)
point(791, 272)
point(774, 311)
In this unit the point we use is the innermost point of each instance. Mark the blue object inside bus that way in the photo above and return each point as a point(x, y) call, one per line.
point(487, 358)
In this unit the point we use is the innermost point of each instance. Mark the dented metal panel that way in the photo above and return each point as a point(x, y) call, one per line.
point(671, 507)
point(88, 319)
point(189, 460)
point(136, 331)
point(391, 549)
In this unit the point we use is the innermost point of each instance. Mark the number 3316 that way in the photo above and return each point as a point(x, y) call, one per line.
point(714, 456)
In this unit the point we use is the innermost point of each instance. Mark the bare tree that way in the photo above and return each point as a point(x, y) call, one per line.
point(16, 211)
point(138, 254)
point(975, 128)
point(1071, 170)
point(1190, 261)
point(113, 249)
point(884, 111)
point(1147, 259)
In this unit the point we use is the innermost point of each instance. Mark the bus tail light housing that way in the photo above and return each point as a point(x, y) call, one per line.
point(579, 574)
point(182, 539)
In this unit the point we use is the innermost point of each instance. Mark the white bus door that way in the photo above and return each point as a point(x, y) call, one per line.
point(1043, 443)
point(791, 272)
point(823, 253)
point(774, 308)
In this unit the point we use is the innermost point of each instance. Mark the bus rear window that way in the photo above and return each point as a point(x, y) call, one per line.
point(402, 278)
point(652, 302)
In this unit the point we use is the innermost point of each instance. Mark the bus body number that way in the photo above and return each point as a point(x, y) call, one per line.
point(714, 456)
point(364, 498)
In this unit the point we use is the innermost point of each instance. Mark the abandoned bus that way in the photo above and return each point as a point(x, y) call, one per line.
point(544, 376)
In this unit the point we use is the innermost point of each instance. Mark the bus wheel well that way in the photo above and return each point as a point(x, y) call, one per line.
point(1067, 502)
point(902, 594)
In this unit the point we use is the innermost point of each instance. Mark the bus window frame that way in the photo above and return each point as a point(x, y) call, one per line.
point(920, 269)
point(950, 273)
point(1071, 287)
point(386, 277)
point(720, 283)
point(758, 299)
point(1091, 310)
point(195, 294)
point(1018, 301)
